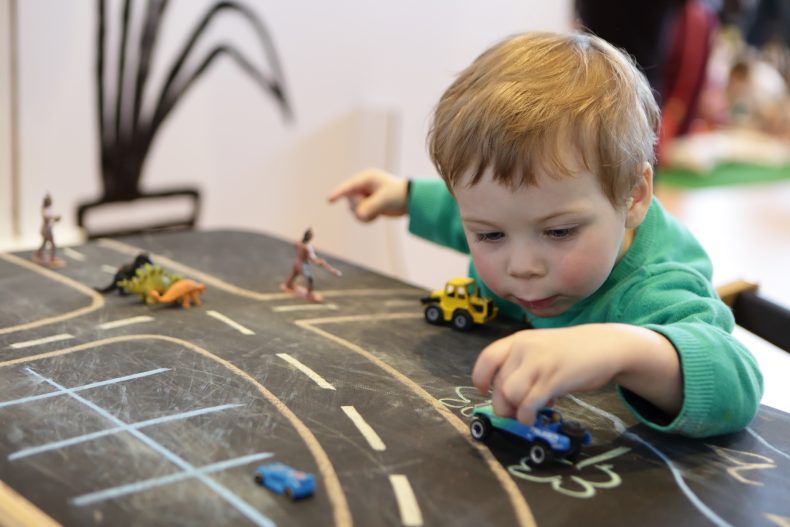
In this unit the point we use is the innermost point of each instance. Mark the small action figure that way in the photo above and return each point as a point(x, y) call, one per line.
point(305, 257)
point(48, 219)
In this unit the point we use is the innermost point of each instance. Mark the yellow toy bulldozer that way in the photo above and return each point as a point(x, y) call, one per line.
point(460, 304)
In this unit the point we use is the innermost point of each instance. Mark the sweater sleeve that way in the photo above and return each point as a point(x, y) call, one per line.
point(433, 214)
point(722, 383)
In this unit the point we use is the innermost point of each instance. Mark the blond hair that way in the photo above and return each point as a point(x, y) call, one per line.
point(515, 108)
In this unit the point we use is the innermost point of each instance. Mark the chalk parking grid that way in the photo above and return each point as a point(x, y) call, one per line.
point(146, 443)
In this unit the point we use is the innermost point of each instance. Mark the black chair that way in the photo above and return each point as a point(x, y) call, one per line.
point(757, 315)
point(94, 229)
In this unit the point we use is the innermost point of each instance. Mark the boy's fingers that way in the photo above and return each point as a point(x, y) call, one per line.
point(488, 362)
point(501, 406)
point(516, 385)
point(348, 188)
point(526, 415)
point(535, 399)
point(363, 210)
point(369, 208)
point(363, 183)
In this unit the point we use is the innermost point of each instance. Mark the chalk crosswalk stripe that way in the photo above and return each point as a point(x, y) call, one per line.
point(58, 393)
point(55, 445)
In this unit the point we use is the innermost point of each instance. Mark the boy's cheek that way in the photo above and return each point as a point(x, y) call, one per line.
point(583, 276)
point(489, 272)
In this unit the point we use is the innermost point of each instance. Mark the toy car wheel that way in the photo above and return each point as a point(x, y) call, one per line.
point(289, 492)
point(462, 321)
point(540, 454)
point(572, 429)
point(433, 314)
point(575, 432)
point(573, 453)
point(480, 427)
point(258, 479)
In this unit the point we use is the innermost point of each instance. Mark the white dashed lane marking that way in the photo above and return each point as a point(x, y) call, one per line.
point(365, 429)
point(232, 323)
point(410, 514)
point(320, 381)
point(125, 322)
point(38, 342)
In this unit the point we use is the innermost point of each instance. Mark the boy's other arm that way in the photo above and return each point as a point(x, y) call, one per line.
point(433, 214)
point(722, 383)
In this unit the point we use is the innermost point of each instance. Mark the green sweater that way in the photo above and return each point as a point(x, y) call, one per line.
point(662, 283)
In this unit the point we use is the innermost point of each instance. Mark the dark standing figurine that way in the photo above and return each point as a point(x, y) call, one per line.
point(126, 272)
point(48, 219)
point(305, 257)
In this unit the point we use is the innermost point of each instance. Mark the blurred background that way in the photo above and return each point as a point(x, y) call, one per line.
point(244, 115)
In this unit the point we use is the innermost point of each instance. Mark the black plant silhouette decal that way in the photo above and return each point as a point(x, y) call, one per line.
point(127, 132)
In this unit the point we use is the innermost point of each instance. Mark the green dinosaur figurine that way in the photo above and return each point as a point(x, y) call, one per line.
point(149, 278)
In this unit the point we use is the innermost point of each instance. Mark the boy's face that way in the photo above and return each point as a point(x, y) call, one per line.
point(544, 247)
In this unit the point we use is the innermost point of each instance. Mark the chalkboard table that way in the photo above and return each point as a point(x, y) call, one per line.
point(114, 412)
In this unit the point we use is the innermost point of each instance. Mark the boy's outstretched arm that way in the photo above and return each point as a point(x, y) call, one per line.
point(530, 368)
point(372, 193)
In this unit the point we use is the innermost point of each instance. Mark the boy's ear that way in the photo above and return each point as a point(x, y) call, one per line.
point(639, 198)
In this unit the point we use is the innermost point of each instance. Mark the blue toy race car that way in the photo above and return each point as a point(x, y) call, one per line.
point(549, 437)
point(283, 479)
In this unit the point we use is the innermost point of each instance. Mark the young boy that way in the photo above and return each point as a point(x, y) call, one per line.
point(545, 145)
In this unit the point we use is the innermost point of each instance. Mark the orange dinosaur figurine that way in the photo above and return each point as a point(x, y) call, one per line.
point(183, 290)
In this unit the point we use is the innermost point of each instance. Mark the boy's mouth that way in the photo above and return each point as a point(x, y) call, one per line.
point(539, 304)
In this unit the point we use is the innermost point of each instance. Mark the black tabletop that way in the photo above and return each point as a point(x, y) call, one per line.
point(117, 412)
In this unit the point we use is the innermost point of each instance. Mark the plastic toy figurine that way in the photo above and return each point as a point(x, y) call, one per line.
point(149, 278)
point(48, 219)
point(460, 304)
point(126, 272)
point(305, 259)
point(184, 291)
point(550, 437)
point(283, 479)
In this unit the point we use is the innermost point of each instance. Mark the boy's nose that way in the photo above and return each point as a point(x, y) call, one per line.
point(526, 263)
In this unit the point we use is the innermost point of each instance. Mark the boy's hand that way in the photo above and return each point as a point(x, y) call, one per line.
point(372, 193)
point(531, 368)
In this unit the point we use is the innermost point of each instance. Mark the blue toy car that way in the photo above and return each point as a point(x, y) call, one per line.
point(283, 479)
point(549, 437)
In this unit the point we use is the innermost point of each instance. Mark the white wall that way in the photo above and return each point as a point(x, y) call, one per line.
point(363, 78)
point(6, 231)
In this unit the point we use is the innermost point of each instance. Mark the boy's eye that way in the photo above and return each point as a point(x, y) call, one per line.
point(561, 234)
point(489, 236)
